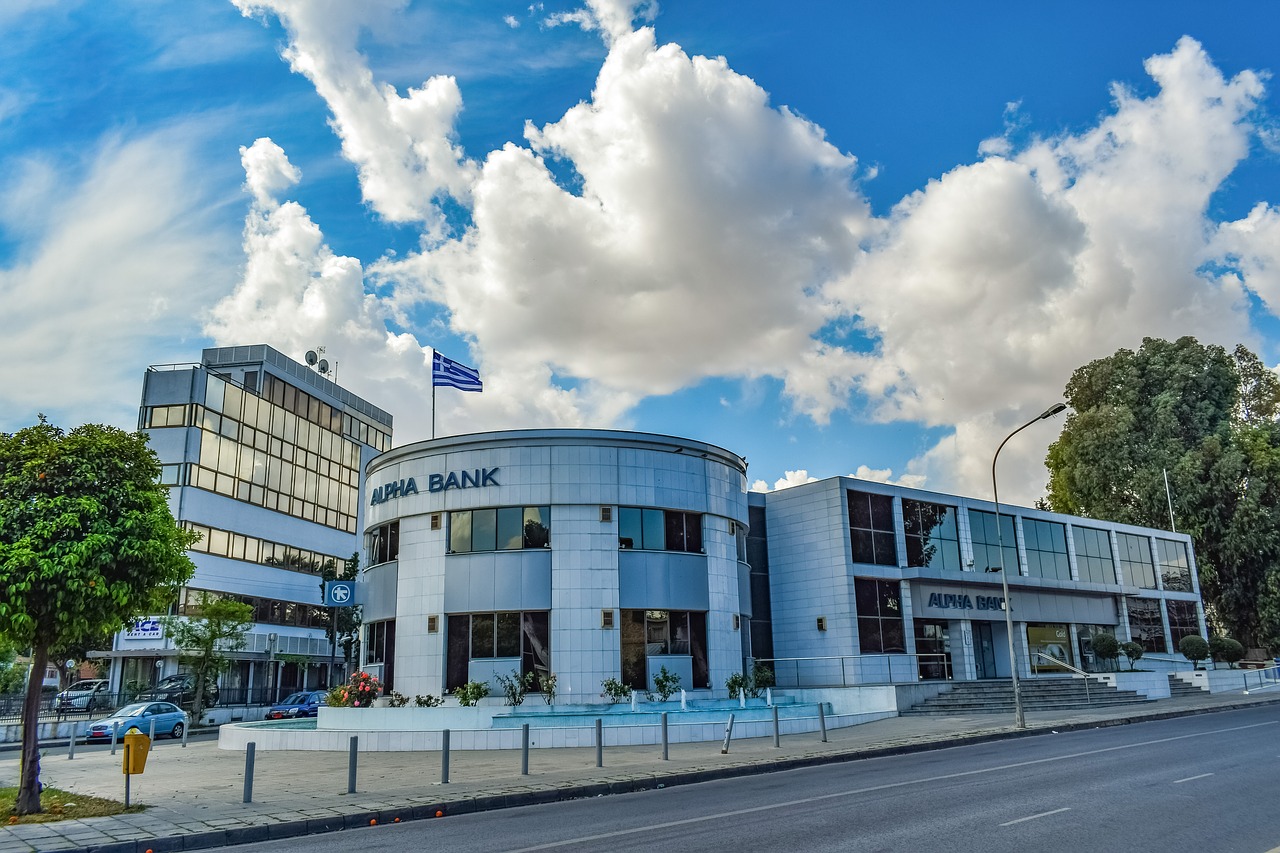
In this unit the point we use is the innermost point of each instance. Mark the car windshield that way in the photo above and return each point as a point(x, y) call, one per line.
point(296, 699)
point(83, 685)
point(133, 710)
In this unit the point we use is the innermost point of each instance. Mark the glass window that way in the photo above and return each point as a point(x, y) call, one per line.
point(659, 530)
point(484, 529)
point(507, 627)
point(871, 526)
point(662, 632)
point(987, 540)
point(460, 531)
point(879, 605)
point(1183, 619)
point(537, 526)
point(655, 537)
point(1135, 560)
point(499, 529)
point(1046, 543)
point(1093, 555)
point(1175, 568)
point(1145, 625)
point(932, 538)
point(482, 625)
point(510, 528)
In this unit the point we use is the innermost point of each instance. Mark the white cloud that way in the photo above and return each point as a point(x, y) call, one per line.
point(885, 475)
point(791, 478)
point(120, 254)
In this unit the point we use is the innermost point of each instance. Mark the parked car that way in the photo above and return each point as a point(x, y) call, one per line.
point(303, 704)
point(84, 696)
point(169, 719)
point(180, 689)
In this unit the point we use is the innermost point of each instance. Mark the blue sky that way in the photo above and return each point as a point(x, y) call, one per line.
point(831, 237)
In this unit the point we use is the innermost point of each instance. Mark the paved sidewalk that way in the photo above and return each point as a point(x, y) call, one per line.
point(195, 795)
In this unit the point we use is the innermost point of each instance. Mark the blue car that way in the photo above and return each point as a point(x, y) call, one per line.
point(304, 704)
point(169, 719)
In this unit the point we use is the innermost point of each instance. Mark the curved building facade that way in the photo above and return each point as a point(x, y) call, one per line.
point(591, 554)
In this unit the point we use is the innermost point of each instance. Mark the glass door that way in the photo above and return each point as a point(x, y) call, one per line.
point(984, 650)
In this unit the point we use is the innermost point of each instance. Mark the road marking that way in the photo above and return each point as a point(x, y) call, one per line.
point(1191, 778)
point(587, 839)
point(1034, 816)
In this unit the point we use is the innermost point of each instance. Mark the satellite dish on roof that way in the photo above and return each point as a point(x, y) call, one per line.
point(323, 366)
point(312, 357)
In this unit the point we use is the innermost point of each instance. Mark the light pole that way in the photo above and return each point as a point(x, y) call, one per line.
point(1019, 719)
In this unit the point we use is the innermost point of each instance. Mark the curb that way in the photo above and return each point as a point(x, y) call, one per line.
point(493, 802)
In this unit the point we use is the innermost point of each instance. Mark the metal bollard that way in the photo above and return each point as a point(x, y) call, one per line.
point(728, 734)
point(777, 735)
point(249, 749)
point(351, 764)
point(71, 744)
point(822, 721)
point(115, 736)
point(664, 736)
point(599, 742)
point(444, 757)
point(768, 695)
point(152, 733)
point(524, 750)
point(184, 736)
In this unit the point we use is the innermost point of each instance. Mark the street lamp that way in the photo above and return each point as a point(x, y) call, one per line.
point(1019, 719)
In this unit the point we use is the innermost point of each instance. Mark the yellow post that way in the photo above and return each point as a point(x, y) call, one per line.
point(135, 755)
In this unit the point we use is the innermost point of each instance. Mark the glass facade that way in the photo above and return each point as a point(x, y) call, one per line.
point(932, 538)
point(1135, 560)
point(1046, 545)
point(879, 605)
point(659, 530)
point(480, 636)
point(663, 632)
point(871, 529)
point(1145, 625)
point(502, 529)
point(1093, 555)
point(382, 543)
point(987, 540)
point(1183, 620)
point(268, 611)
point(933, 649)
point(1050, 647)
point(1175, 568)
point(236, 546)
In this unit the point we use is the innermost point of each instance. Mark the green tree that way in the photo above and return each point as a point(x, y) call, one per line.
point(343, 624)
point(1208, 418)
point(213, 627)
point(1194, 648)
point(87, 542)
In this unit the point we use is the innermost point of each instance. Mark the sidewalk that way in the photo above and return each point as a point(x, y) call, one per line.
point(194, 795)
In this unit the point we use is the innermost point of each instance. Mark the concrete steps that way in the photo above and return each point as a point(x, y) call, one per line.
point(1179, 689)
point(1038, 694)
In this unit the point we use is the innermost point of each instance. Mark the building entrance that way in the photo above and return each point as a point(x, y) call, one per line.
point(984, 650)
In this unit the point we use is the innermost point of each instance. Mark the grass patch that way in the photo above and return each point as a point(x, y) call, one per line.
point(62, 805)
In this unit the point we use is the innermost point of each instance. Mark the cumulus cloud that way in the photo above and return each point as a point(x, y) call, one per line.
point(791, 478)
point(119, 255)
point(677, 226)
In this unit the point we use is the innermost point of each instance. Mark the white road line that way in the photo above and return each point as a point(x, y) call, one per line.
point(1034, 816)
point(587, 839)
point(1191, 778)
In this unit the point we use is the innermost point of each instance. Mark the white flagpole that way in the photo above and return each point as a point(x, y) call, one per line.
point(433, 395)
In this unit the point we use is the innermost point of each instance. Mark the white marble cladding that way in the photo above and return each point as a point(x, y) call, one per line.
point(575, 473)
point(808, 574)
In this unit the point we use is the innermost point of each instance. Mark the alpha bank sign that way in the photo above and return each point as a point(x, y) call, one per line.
point(473, 479)
point(960, 601)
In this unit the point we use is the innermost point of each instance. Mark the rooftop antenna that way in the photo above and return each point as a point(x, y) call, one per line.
point(316, 361)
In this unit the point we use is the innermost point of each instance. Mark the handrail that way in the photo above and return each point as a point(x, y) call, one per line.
point(891, 664)
point(1266, 673)
point(1088, 700)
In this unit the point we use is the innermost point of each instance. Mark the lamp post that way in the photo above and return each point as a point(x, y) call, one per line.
point(1019, 719)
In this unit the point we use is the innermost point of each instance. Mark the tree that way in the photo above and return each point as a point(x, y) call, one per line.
point(1227, 650)
point(1105, 647)
point(1209, 419)
point(87, 542)
point(1133, 651)
point(343, 627)
point(213, 627)
point(1194, 648)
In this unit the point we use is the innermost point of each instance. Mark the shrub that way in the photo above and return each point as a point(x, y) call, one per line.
point(666, 683)
point(1105, 647)
point(515, 686)
point(736, 684)
point(1132, 651)
point(421, 701)
point(360, 691)
point(396, 700)
point(547, 684)
point(761, 678)
point(1227, 650)
point(1194, 648)
point(471, 693)
point(616, 690)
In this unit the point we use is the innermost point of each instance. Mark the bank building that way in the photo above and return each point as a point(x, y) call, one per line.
point(598, 554)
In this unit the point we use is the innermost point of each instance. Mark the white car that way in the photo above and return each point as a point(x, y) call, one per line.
point(85, 695)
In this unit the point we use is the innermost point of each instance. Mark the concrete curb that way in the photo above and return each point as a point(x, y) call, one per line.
point(445, 806)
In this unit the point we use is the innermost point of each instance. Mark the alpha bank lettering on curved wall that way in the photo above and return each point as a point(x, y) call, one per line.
point(472, 479)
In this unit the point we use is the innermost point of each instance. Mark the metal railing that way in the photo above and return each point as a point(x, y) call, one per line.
point(1268, 677)
point(1088, 699)
point(850, 670)
point(102, 704)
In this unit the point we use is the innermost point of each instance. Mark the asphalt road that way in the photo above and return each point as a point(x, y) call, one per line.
point(1209, 784)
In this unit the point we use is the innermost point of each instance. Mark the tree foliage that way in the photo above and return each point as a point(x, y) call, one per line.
point(1208, 418)
point(203, 637)
point(343, 623)
point(87, 542)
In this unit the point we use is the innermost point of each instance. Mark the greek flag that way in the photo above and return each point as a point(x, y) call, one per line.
point(451, 374)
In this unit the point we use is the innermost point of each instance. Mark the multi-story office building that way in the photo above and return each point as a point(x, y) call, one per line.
point(264, 458)
point(600, 555)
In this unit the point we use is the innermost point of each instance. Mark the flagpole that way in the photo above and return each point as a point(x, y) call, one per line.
point(433, 396)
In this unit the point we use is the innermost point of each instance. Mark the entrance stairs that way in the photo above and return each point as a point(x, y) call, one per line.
point(1038, 694)
point(1179, 689)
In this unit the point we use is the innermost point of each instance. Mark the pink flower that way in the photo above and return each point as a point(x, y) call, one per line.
point(357, 703)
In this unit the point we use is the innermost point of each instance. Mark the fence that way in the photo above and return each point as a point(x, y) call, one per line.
point(101, 704)
point(851, 670)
